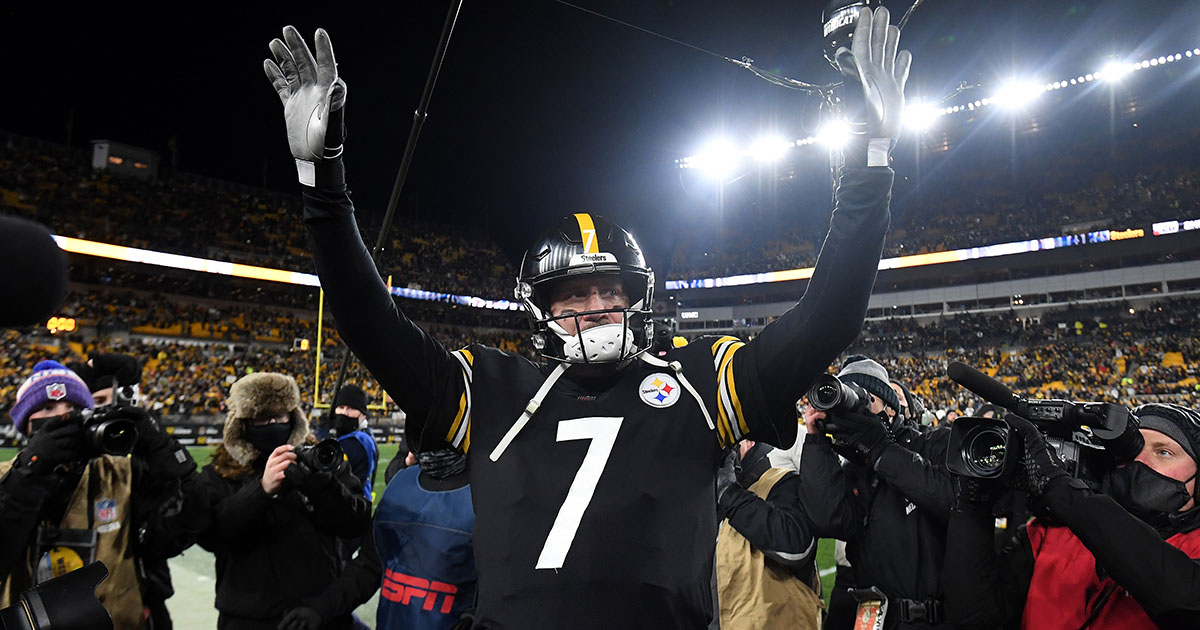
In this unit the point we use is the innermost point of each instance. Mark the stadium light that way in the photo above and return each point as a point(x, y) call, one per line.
point(718, 159)
point(920, 116)
point(1015, 93)
point(1115, 71)
point(834, 134)
point(769, 149)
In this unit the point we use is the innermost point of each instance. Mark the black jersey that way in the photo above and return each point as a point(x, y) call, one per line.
point(600, 513)
point(602, 507)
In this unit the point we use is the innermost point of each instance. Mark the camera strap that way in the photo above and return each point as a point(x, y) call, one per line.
point(1098, 604)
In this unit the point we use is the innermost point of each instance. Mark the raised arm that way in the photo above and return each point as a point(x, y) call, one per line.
point(793, 350)
point(412, 366)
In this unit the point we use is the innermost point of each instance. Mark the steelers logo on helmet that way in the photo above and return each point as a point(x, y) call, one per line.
point(587, 246)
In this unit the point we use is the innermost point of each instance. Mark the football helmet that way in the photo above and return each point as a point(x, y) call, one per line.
point(578, 245)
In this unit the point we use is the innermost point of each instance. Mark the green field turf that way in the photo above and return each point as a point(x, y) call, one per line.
point(193, 571)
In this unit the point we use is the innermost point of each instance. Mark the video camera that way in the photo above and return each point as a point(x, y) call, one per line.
point(67, 601)
point(1089, 437)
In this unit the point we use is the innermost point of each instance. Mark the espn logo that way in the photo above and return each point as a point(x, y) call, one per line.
point(401, 588)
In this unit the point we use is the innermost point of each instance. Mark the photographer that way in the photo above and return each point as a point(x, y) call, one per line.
point(278, 512)
point(766, 551)
point(889, 501)
point(72, 495)
point(1122, 559)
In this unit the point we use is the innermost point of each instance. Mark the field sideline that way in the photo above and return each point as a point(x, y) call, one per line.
point(192, 572)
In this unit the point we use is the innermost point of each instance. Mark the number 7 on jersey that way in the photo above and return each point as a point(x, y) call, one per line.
point(603, 434)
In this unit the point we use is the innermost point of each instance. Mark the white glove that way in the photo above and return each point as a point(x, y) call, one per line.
point(313, 97)
point(874, 64)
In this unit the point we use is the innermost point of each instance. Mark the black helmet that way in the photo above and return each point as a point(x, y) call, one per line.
point(586, 244)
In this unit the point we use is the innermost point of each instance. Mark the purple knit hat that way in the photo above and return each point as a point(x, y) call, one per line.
point(49, 382)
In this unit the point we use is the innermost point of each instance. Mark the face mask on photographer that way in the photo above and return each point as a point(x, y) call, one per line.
point(1145, 492)
point(268, 434)
point(344, 425)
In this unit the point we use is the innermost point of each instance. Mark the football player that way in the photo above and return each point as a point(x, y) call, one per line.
point(593, 471)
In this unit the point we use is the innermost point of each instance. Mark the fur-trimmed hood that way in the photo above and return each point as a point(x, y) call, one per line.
point(251, 396)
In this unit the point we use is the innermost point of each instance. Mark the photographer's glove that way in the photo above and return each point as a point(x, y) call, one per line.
point(305, 480)
point(874, 78)
point(975, 495)
point(863, 431)
point(313, 104)
point(727, 477)
point(302, 618)
point(61, 440)
point(165, 456)
point(1039, 464)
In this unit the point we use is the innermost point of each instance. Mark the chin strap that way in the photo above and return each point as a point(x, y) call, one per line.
point(530, 408)
point(677, 367)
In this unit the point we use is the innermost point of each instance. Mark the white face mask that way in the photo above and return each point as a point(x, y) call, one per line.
point(603, 344)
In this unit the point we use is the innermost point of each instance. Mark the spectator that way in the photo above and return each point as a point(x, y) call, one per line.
point(276, 522)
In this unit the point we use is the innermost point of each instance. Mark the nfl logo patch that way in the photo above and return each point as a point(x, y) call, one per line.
point(56, 391)
point(106, 510)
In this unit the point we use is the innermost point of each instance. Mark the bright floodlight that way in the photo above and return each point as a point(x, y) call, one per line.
point(834, 134)
point(718, 158)
point(769, 148)
point(920, 116)
point(1116, 70)
point(1015, 94)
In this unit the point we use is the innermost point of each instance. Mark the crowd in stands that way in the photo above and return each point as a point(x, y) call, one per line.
point(999, 215)
point(56, 186)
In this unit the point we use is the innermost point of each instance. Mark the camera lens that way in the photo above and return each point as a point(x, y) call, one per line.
point(326, 456)
point(826, 395)
point(113, 437)
point(983, 451)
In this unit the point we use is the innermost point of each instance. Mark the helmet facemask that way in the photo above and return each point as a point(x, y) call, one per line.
point(604, 343)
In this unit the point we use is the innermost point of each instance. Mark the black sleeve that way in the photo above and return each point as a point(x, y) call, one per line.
point(982, 590)
point(234, 514)
point(794, 349)
point(170, 511)
point(340, 508)
point(360, 461)
point(418, 372)
point(358, 581)
point(1160, 576)
point(825, 491)
point(776, 526)
point(924, 480)
point(21, 498)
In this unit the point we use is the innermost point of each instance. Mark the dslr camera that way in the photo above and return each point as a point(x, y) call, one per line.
point(324, 456)
point(1089, 438)
point(831, 395)
point(110, 430)
point(65, 602)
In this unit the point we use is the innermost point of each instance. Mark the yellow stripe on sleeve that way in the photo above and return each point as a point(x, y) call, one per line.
point(587, 233)
point(458, 418)
point(733, 395)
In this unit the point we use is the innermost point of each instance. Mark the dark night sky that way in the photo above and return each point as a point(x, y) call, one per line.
point(541, 109)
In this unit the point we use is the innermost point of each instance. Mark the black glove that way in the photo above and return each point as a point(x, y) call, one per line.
point(1039, 464)
point(60, 440)
point(727, 476)
point(166, 456)
point(863, 431)
point(302, 618)
point(307, 480)
point(972, 494)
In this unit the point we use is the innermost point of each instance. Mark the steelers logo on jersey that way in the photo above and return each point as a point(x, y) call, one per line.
point(659, 390)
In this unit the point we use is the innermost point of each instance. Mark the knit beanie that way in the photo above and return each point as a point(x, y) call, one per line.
point(1176, 421)
point(871, 376)
point(51, 381)
point(351, 396)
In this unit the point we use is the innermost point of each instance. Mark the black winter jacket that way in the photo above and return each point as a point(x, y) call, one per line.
point(893, 518)
point(274, 552)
